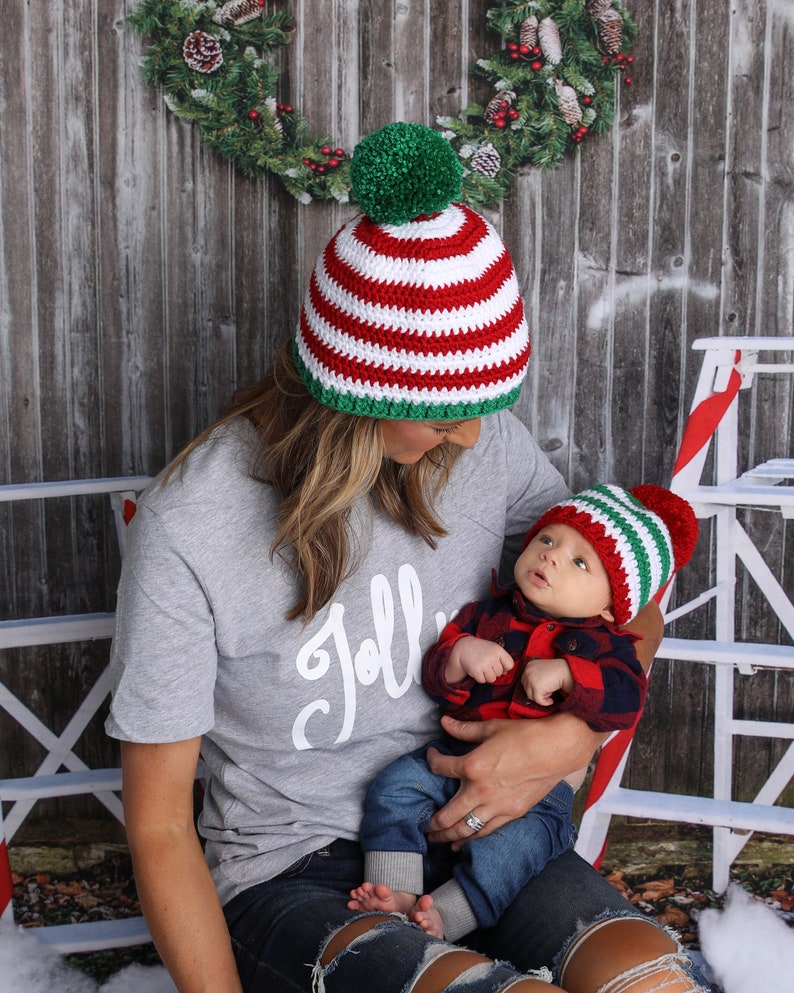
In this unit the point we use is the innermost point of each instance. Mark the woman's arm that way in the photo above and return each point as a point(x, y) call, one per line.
point(518, 762)
point(177, 894)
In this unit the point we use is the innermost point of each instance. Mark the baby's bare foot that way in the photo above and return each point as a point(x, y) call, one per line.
point(427, 917)
point(369, 896)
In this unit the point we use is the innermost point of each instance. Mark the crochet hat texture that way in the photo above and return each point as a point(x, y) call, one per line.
point(642, 536)
point(413, 309)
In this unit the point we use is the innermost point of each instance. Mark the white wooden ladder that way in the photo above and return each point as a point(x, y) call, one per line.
point(48, 781)
point(730, 366)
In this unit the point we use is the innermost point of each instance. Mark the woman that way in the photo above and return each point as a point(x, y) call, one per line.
point(281, 584)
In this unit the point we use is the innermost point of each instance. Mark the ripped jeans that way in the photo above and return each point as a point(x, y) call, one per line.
point(279, 927)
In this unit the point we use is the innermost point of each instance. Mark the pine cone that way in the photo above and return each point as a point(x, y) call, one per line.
point(487, 161)
point(595, 8)
point(528, 34)
point(569, 105)
point(502, 101)
point(237, 12)
point(202, 52)
point(610, 31)
point(550, 43)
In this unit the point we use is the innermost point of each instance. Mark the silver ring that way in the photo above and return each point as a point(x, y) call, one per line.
point(474, 821)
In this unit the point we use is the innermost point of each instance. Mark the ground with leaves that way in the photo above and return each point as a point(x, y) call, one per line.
point(662, 870)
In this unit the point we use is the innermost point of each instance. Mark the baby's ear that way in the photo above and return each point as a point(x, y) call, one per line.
point(607, 614)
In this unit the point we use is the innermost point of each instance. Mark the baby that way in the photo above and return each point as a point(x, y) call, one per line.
point(552, 640)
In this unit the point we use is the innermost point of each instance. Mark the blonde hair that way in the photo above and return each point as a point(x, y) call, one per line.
point(322, 463)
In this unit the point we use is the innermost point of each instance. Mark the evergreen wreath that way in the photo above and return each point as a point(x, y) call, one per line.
point(553, 84)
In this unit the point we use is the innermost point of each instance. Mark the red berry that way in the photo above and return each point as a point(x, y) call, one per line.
point(536, 66)
point(630, 59)
point(628, 80)
point(606, 60)
point(514, 55)
point(326, 149)
point(287, 108)
point(499, 122)
point(333, 162)
point(524, 49)
point(313, 165)
point(339, 153)
point(512, 46)
point(307, 162)
point(587, 100)
point(536, 50)
point(513, 114)
point(254, 114)
point(620, 57)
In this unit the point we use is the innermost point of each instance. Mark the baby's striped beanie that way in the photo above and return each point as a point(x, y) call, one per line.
point(642, 536)
point(413, 309)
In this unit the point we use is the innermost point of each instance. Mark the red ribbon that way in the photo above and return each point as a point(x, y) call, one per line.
point(704, 419)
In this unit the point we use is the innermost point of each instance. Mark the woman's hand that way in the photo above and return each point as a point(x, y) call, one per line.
point(514, 767)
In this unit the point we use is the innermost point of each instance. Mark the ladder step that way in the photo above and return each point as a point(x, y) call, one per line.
point(734, 653)
point(72, 487)
point(60, 784)
point(93, 936)
point(738, 493)
point(772, 469)
point(56, 630)
point(699, 810)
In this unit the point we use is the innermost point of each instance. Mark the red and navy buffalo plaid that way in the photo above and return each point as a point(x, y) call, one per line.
point(610, 682)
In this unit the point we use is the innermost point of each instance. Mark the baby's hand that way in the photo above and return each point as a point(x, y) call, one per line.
point(484, 661)
point(542, 678)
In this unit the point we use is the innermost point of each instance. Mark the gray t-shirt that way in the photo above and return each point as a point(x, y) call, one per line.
point(296, 719)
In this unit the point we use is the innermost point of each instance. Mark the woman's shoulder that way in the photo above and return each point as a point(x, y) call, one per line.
point(217, 471)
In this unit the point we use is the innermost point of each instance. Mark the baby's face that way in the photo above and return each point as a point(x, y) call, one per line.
point(561, 574)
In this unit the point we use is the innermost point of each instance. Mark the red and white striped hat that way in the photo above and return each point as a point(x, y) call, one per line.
point(413, 309)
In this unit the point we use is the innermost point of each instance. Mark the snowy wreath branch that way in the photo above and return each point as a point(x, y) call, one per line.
point(553, 83)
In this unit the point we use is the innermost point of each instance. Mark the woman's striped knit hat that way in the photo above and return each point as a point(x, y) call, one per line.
point(413, 309)
point(642, 536)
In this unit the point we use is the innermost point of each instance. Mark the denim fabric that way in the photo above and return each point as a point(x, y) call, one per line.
point(278, 927)
point(493, 869)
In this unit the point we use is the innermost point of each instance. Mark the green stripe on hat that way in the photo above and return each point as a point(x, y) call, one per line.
point(402, 410)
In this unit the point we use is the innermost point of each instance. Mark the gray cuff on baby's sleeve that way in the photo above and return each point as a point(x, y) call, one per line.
point(458, 917)
point(399, 870)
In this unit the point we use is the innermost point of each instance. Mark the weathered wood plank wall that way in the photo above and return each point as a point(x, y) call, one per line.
point(142, 278)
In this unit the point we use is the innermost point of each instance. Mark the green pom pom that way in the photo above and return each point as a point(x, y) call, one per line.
point(404, 170)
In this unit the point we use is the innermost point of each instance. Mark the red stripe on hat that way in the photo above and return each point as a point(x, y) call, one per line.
point(462, 241)
point(374, 374)
point(409, 296)
point(412, 340)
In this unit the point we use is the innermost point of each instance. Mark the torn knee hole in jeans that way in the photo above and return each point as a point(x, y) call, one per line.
point(670, 971)
point(667, 972)
point(396, 969)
